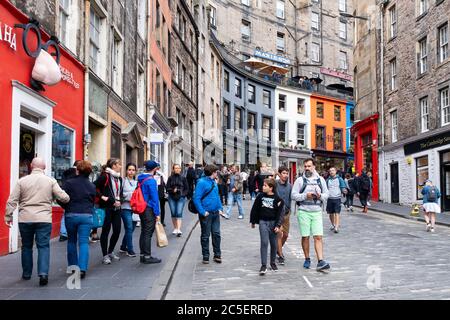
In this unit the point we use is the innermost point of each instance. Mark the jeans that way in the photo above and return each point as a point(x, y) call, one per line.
point(349, 202)
point(78, 228)
point(267, 235)
point(363, 199)
point(63, 230)
point(177, 207)
point(42, 232)
point(112, 218)
point(162, 208)
point(232, 199)
point(148, 221)
point(223, 189)
point(129, 225)
point(210, 224)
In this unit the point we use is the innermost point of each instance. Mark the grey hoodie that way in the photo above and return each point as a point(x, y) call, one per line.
point(284, 192)
point(128, 188)
point(305, 204)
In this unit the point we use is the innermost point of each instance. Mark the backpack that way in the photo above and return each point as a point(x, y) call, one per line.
point(305, 183)
point(365, 184)
point(191, 205)
point(432, 194)
point(137, 201)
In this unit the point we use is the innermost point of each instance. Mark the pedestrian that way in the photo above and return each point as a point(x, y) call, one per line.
point(67, 174)
point(267, 211)
point(363, 184)
point(244, 177)
point(78, 215)
point(129, 185)
point(223, 185)
point(94, 232)
point(284, 190)
point(161, 182)
point(207, 201)
point(190, 177)
point(34, 195)
point(252, 185)
point(110, 192)
point(431, 195)
point(351, 187)
point(198, 173)
point(235, 192)
point(178, 189)
point(310, 191)
point(151, 214)
point(369, 196)
point(336, 187)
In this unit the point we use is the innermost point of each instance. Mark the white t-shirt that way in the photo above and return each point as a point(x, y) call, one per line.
point(244, 176)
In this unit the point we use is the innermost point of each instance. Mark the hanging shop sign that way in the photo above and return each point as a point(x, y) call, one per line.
point(8, 35)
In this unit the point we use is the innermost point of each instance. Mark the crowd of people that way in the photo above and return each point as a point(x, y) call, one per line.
point(210, 188)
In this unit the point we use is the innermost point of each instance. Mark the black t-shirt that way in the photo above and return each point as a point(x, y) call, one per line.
point(267, 208)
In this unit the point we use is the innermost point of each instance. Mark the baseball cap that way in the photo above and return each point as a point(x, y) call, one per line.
point(150, 165)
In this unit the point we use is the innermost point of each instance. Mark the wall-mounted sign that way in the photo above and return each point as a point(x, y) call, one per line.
point(7, 35)
point(336, 74)
point(156, 138)
point(68, 77)
point(428, 143)
point(272, 57)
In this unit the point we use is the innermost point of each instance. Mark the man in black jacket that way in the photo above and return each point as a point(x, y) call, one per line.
point(190, 177)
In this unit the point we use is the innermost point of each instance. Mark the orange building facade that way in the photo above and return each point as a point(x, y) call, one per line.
point(328, 128)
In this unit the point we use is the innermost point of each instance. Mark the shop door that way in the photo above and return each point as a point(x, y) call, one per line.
point(395, 198)
point(446, 187)
point(27, 151)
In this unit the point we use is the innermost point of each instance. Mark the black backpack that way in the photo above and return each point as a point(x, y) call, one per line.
point(365, 184)
point(432, 194)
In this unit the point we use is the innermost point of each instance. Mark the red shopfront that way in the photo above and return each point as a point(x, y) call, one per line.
point(48, 124)
point(366, 149)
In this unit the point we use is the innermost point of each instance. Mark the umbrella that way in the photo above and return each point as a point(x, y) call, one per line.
point(297, 78)
point(271, 69)
point(336, 86)
point(254, 63)
point(317, 80)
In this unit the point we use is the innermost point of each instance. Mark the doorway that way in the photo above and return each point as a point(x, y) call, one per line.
point(27, 151)
point(445, 181)
point(395, 194)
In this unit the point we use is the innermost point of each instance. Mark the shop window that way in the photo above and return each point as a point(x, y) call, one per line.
point(62, 150)
point(421, 174)
point(320, 137)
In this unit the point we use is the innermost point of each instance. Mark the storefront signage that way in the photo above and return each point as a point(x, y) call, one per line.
point(7, 35)
point(429, 143)
point(156, 138)
point(336, 74)
point(272, 57)
point(68, 77)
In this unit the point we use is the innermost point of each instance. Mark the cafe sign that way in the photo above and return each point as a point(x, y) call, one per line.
point(272, 57)
point(7, 35)
point(428, 143)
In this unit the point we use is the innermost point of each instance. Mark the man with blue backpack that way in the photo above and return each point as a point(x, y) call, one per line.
point(336, 187)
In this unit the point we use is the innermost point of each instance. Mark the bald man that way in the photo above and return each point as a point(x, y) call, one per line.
point(34, 195)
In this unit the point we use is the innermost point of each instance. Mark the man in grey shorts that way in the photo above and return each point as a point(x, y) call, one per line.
point(336, 187)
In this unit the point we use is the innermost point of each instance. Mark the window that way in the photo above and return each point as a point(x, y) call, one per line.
point(191, 87)
point(266, 98)
point(251, 124)
point(178, 114)
point(226, 81)
point(301, 141)
point(116, 142)
point(237, 119)
point(202, 45)
point(445, 107)
point(94, 37)
point(158, 15)
point(178, 72)
point(443, 43)
point(342, 30)
point(213, 17)
point(423, 6)
point(282, 131)
point(280, 41)
point(280, 9)
point(117, 67)
point(237, 87)
point(393, 64)
point(423, 53)
point(178, 20)
point(394, 126)
point(282, 102)
point(62, 150)
point(320, 137)
point(315, 50)
point(183, 31)
point(320, 110)
point(251, 93)
point(218, 74)
point(246, 2)
point(141, 94)
point(337, 139)
point(421, 174)
point(203, 123)
point(266, 126)
point(424, 114)
point(212, 112)
point(393, 21)
point(337, 113)
point(300, 106)
point(64, 6)
point(245, 30)
point(226, 114)
point(142, 16)
point(343, 5)
point(183, 77)
point(203, 81)
point(343, 60)
point(315, 21)
point(192, 41)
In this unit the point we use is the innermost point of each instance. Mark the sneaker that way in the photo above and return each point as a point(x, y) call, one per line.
point(106, 260)
point(241, 217)
point(336, 230)
point(368, 203)
point(205, 261)
point(307, 263)
point(281, 260)
point(63, 238)
point(431, 229)
point(82, 274)
point(138, 224)
point(332, 228)
point(428, 228)
point(114, 256)
point(217, 259)
point(123, 250)
point(274, 266)
point(179, 233)
point(150, 260)
point(322, 265)
point(94, 237)
point(351, 208)
point(262, 270)
point(131, 254)
point(175, 232)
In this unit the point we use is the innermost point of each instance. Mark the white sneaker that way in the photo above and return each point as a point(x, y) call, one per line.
point(106, 260)
point(179, 233)
point(114, 256)
point(432, 230)
point(175, 231)
point(368, 203)
point(138, 224)
point(241, 217)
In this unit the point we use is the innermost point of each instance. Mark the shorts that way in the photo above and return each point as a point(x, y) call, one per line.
point(333, 206)
point(286, 223)
point(310, 223)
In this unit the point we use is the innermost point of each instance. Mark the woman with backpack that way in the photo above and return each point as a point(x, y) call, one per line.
point(177, 188)
point(110, 193)
point(129, 185)
point(363, 190)
point(431, 195)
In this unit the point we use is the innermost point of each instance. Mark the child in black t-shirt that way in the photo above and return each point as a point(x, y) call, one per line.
point(267, 212)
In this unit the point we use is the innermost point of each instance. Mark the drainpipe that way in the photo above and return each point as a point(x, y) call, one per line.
point(87, 10)
point(382, 101)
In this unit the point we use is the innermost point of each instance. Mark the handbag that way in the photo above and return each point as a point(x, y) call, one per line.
point(98, 217)
point(191, 205)
point(161, 237)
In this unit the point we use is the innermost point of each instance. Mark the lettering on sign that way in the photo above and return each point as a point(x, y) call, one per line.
point(7, 35)
point(67, 76)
